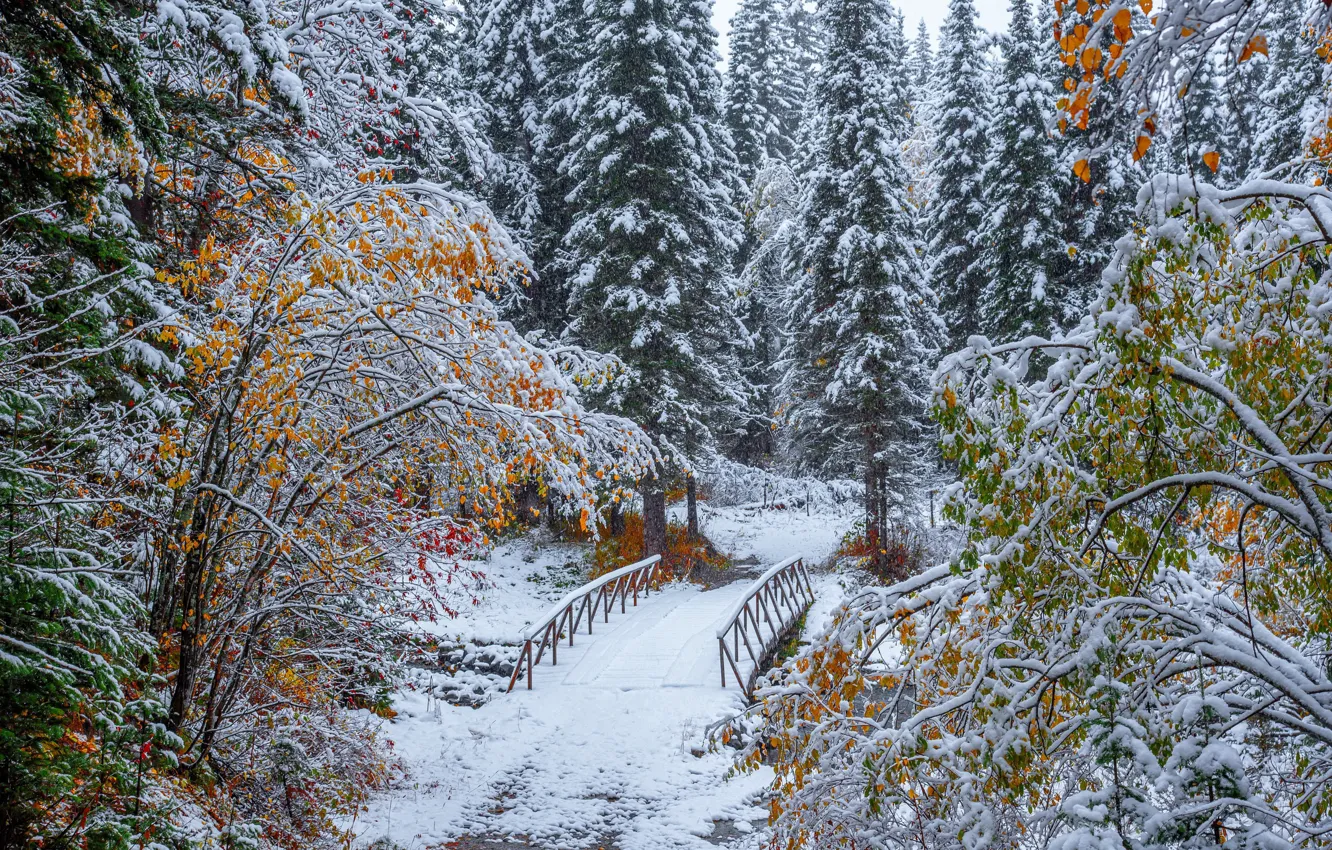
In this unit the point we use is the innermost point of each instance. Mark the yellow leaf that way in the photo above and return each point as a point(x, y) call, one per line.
point(1082, 168)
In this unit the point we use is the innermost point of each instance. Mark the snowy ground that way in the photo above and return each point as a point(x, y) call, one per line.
point(609, 748)
point(771, 535)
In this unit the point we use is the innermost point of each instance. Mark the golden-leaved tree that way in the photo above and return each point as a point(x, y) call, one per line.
point(1134, 649)
point(261, 407)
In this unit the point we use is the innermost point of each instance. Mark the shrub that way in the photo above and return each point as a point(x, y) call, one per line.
point(682, 551)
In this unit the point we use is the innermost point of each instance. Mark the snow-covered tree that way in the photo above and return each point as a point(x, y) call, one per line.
point(764, 86)
point(1293, 106)
point(654, 231)
point(957, 206)
point(565, 36)
point(1204, 140)
point(506, 70)
point(810, 40)
point(1021, 229)
point(922, 61)
point(1131, 650)
point(862, 320)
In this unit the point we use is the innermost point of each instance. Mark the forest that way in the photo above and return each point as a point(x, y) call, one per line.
point(309, 308)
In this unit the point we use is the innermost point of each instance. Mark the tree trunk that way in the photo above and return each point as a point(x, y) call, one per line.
point(873, 521)
point(654, 516)
point(617, 519)
point(691, 500)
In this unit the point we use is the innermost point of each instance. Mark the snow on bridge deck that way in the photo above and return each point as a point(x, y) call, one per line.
point(668, 641)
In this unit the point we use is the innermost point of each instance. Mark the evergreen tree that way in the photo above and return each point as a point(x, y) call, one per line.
point(653, 237)
point(1204, 140)
point(809, 38)
point(1023, 248)
point(957, 203)
point(863, 325)
point(922, 63)
point(764, 90)
point(1242, 92)
point(78, 393)
point(1290, 96)
point(506, 70)
point(564, 45)
point(1098, 182)
point(764, 99)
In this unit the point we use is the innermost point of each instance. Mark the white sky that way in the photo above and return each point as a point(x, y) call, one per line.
point(993, 16)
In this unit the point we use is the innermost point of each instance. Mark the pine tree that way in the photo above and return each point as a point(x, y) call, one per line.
point(653, 237)
point(809, 38)
point(79, 397)
point(957, 204)
point(863, 324)
point(564, 34)
point(764, 90)
point(1023, 247)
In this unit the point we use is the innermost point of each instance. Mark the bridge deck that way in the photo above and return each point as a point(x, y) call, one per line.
point(670, 640)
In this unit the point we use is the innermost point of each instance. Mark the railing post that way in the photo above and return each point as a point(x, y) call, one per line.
point(529, 665)
point(721, 658)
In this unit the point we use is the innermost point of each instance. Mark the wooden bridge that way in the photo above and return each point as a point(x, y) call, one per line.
point(674, 635)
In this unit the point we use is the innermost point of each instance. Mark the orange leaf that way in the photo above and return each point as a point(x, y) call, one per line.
point(1146, 6)
point(1091, 57)
point(1140, 149)
point(1082, 168)
point(1257, 44)
point(1213, 160)
point(1123, 24)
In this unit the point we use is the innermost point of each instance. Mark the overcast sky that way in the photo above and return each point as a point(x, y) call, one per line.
point(993, 15)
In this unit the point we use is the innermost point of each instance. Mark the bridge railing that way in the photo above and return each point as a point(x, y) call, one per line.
point(776, 600)
point(597, 596)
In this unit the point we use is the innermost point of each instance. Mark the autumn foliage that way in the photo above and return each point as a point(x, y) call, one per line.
point(1131, 650)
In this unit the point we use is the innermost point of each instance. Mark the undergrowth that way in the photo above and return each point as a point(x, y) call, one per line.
point(683, 552)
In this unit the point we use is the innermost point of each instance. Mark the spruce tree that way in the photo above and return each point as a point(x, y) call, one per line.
point(764, 91)
point(80, 392)
point(808, 37)
point(1098, 200)
point(863, 324)
point(652, 238)
point(957, 204)
point(1023, 248)
point(1292, 107)
point(922, 63)
point(1204, 141)
point(506, 70)
point(564, 44)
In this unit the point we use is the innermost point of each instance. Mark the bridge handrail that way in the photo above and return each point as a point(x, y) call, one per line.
point(754, 589)
point(597, 594)
point(578, 593)
point(784, 591)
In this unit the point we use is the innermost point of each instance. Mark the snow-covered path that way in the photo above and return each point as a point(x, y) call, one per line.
point(607, 747)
